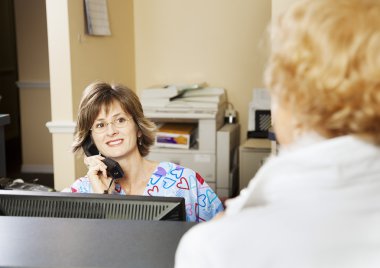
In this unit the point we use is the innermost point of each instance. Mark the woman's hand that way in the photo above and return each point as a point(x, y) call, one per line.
point(97, 173)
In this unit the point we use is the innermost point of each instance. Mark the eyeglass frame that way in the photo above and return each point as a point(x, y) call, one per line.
point(127, 119)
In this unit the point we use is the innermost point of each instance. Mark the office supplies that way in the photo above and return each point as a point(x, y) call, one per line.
point(160, 91)
point(91, 206)
point(206, 91)
point(176, 135)
point(183, 98)
point(169, 92)
point(155, 102)
point(187, 88)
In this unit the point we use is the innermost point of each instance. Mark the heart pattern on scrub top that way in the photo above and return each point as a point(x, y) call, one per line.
point(153, 190)
point(192, 182)
point(211, 195)
point(177, 172)
point(189, 209)
point(202, 200)
point(183, 184)
point(156, 176)
point(168, 182)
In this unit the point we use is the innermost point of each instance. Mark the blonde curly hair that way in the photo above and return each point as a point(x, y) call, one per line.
point(325, 66)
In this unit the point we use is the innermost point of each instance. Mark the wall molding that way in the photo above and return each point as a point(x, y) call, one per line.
point(37, 169)
point(33, 84)
point(61, 127)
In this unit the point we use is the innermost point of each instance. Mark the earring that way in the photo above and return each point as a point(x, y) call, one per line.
point(140, 141)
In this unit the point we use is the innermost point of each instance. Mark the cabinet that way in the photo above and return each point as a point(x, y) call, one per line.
point(252, 155)
point(203, 157)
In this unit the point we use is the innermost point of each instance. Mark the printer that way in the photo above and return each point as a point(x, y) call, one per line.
point(259, 114)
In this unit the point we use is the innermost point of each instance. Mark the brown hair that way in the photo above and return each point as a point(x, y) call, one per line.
point(100, 94)
point(325, 66)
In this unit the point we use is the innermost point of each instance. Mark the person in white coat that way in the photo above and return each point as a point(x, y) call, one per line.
point(316, 203)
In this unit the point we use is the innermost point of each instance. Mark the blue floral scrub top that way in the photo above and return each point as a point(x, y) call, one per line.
point(169, 179)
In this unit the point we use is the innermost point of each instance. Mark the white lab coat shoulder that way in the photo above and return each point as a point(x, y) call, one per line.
point(315, 205)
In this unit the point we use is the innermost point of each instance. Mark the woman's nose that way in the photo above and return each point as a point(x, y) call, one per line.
point(111, 129)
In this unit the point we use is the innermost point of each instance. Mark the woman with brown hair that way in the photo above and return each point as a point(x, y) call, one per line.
point(111, 127)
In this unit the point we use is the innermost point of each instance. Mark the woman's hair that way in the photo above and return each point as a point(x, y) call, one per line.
point(325, 66)
point(100, 94)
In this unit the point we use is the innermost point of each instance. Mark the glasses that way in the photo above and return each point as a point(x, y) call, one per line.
point(119, 122)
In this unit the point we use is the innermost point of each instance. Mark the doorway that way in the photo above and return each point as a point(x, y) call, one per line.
point(9, 103)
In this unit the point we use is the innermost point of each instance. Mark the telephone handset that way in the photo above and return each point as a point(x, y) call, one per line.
point(114, 170)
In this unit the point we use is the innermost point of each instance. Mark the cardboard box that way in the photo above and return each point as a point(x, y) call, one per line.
point(176, 135)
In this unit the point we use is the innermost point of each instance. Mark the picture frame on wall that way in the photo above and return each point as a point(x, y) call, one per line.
point(96, 16)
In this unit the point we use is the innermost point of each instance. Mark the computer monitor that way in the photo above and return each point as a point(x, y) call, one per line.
point(91, 206)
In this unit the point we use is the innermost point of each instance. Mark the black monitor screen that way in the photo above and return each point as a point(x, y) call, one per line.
point(91, 206)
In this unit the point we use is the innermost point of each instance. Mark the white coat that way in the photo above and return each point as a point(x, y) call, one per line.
point(314, 205)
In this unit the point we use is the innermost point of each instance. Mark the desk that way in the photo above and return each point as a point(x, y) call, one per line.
point(54, 242)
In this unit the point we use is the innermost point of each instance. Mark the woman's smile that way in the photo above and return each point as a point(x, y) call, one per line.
point(114, 142)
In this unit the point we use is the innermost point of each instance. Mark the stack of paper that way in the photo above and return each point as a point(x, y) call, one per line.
point(209, 97)
point(165, 91)
point(160, 96)
point(173, 98)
